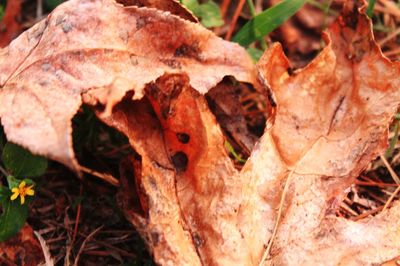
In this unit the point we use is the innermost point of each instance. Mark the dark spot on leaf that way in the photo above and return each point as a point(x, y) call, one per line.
point(183, 137)
point(198, 242)
point(141, 22)
point(66, 27)
point(180, 161)
point(172, 63)
point(134, 60)
point(191, 51)
point(155, 238)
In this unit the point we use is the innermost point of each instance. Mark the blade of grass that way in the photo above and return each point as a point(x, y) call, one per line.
point(370, 9)
point(393, 141)
point(267, 21)
point(253, 13)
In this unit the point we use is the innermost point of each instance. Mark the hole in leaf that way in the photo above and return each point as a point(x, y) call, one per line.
point(96, 145)
point(183, 137)
point(375, 189)
point(180, 161)
point(241, 112)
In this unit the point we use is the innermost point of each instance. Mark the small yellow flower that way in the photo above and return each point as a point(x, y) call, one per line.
point(22, 190)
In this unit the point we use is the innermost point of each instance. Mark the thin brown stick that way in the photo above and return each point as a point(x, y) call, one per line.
point(367, 213)
point(78, 216)
point(390, 169)
point(90, 236)
point(389, 37)
point(105, 177)
point(391, 11)
point(224, 7)
point(232, 25)
point(391, 198)
point(392, 52)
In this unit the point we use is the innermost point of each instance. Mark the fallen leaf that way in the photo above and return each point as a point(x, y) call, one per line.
point(46, 70)
point(172, 6)
point(331, 120)
point(181, 190)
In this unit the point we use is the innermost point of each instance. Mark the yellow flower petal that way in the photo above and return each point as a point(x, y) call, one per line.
point(15, 195)
point(22, 199)
point(15, 190)
point(30, 192)
point(22, 184)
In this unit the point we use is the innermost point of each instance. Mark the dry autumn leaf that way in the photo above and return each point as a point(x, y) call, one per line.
point(331, 120)
point(181, 190)
point(46, 70)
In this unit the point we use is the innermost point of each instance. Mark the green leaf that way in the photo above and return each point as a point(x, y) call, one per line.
point(190, 4)
point(209, 12)
point(210, 15)
point(267, 21)
point(51, 4)
point(13, 217)
point(21, 162)
point(1, 11)
point(254, 53)
point(232, 151)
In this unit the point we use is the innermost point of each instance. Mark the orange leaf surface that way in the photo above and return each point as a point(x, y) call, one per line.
point(105, 53)
point(145, 72)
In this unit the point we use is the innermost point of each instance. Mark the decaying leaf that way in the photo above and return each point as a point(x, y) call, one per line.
point(23, 249)
point(331, 120)
point(105, 53)
point(145, 72)
point(172, 6)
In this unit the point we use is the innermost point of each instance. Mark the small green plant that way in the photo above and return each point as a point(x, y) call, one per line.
point(370, 9)
point(267, 21)
point(1, 11)
point(19, 164)
point(209, 12)
point(232, 151)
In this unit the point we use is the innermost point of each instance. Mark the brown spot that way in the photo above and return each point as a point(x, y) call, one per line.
point(198, 242)
point(180, 161)
point(183, 137)
point(191, 51)
point(155, 238)
point(66, 27)
point(172, 63)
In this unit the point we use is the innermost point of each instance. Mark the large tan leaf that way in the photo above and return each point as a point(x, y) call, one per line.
point(331, 120)
point(108, 51)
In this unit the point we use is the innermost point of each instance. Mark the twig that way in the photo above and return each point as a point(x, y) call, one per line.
point(106, 177)
point(391, 198)
point(234, 19)
point(224, 7)
point(392, 52)
point(84, 243)
point(389, 37)
point(390, 169)
point(278, 219)
point(78, 215)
